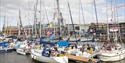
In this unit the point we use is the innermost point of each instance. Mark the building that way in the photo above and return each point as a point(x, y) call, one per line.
point(28, 30)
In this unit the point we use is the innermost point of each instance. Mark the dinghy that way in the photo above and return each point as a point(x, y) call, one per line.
point(23, 48)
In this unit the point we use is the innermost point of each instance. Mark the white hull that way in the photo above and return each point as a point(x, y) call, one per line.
point(112, 55)
point(41, 58)
point(6, 49)
point(23, 48)
point(21, 51)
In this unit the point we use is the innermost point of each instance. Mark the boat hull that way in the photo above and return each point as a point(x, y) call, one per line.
point(47, 59)
point(116, 56)
point(41, 58)
point(21, 51)
point(6, 50)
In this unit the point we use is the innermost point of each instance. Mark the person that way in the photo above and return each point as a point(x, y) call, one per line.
point(75, 46)
point(83, 48)
point(89, 49)
point(36, 46)
point(93, 47)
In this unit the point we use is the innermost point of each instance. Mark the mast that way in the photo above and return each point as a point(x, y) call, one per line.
point(71, 18)
point(82, 12)
point(46, 14)
point(83, 17)
point(107, 22)
point(119, 31)
point(40, 32)
point(29, 29)
point(35, 17)
point(116, 22)
point(59, 18)
point(4, 25)
point(97, 26)
point(7, 27)
point(10, 30)
point(96, 15)
point(20, 24)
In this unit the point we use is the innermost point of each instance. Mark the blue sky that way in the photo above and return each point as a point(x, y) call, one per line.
point(10, 8)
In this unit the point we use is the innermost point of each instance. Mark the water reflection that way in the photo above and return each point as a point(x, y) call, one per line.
point(13, 57)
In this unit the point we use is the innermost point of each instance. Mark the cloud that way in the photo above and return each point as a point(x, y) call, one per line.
point(10, 8)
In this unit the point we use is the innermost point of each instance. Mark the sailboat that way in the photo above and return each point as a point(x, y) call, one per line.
point(47, 54)
point(21, 46)
point(113, 49)
point(5, 43)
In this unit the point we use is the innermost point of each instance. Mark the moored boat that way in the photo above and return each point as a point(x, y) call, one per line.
point(112, 54)
point(23, 48)
point(37, 55)
point(6, 46)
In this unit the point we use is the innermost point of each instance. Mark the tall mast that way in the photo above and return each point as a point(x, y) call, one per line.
point(35, 17)
point(107, 22)
point(96, 15)
point(82, 12)
point(71, 18)
point(59, 18)
point(4, 25)
point(83, 17)
point(7, 26)
point(20, 23)
point(119, 31)
point(10, 30)
point(40, 32)
point(34, 26)
point(29, 29)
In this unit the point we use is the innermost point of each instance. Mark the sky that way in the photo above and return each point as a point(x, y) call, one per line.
point(9, 9)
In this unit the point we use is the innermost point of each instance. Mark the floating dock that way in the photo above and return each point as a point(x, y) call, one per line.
point(81, 59)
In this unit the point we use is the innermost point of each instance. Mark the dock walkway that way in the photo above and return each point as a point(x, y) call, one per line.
point(82, 59)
